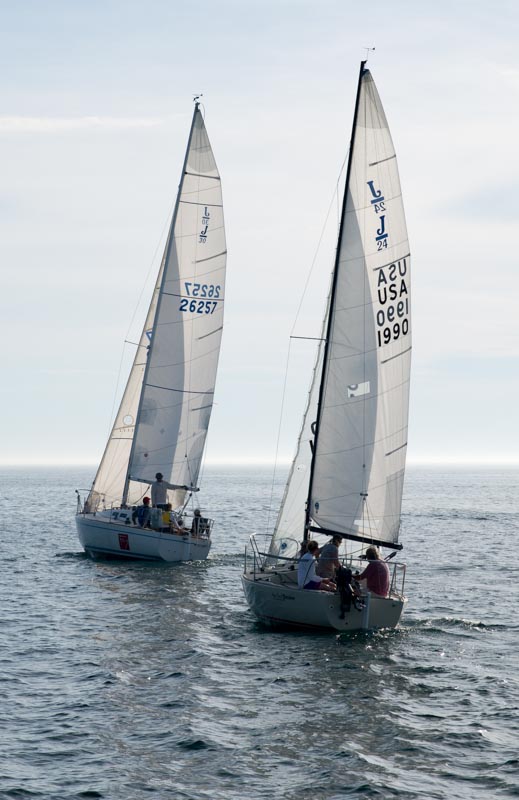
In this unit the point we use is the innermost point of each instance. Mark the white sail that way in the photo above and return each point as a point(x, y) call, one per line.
point(162, 422)
point(290, 523)
point(108, 486)
point(358, 470)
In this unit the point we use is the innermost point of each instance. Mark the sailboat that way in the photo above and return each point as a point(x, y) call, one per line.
point(162, 421)
point(348, 472)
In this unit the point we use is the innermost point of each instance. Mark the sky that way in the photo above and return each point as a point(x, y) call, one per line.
point(96, 103)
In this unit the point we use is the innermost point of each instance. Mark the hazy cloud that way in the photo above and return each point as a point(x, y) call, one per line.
point(64, 124)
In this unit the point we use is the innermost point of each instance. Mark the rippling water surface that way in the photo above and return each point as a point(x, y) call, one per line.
point(128, 680)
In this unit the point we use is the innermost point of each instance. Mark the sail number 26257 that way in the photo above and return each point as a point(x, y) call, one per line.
point(196, 301)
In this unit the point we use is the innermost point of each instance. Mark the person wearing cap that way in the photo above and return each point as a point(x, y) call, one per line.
point(329, 563)
point(142, 514)
point(376, 573)
point(159, 492)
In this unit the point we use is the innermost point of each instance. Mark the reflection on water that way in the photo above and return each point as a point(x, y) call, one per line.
point(128, 680)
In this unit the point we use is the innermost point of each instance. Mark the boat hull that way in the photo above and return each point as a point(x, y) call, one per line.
point(102, 538)
point(277, 601)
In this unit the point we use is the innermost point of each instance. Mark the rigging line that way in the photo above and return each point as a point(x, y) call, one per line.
point(278, 440)
point(368, 516)
point(335, 196)
point(189, 471)
point(164, 227)
point(203, 461)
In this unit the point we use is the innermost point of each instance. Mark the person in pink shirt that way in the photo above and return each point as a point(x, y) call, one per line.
point(376, 573)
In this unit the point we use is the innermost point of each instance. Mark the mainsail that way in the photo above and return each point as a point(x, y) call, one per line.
point(162, 421)
point(361, 438)
point(357, 472)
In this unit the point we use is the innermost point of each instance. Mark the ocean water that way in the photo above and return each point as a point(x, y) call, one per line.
point(131, 680)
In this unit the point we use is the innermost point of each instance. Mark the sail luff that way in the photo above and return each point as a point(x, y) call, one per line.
point(332, 300)
point(167, 253)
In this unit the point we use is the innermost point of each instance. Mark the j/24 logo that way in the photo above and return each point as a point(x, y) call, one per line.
point(377, 202)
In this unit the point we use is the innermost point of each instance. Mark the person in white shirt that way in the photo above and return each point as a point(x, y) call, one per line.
point(306, 575)
point(159, 492)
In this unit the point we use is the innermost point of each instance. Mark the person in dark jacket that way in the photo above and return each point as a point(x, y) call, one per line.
point(142, 514)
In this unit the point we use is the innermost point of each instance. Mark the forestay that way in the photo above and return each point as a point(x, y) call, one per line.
point(162, 422)
point(288, 532)
point(360, 447)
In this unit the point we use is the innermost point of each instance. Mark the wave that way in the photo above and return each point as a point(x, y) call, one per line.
point(439, 624)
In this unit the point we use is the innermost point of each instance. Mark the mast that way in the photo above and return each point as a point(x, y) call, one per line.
point(166, 259)
point(332, 302)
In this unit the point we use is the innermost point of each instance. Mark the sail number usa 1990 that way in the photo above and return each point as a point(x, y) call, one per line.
point(393, 302)
point(392, 290)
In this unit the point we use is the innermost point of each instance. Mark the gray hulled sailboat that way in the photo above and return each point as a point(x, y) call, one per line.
point(348, 473)
point(163, 418)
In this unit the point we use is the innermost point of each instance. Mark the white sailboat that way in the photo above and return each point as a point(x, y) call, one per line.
point(164, 414)
point(348, 472)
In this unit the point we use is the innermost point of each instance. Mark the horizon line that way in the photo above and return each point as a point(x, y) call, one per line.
point(243, 462)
